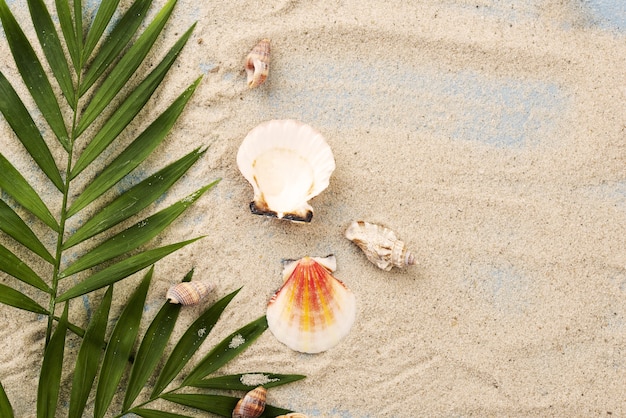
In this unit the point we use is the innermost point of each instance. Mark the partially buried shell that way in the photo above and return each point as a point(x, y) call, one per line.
point(189, 293)
point(287, 163)
point(258, 63)
point(312, 311)
point(252, 404)
point(380, 245)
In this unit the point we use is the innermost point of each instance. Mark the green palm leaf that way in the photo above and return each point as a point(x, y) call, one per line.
point(119, 346)
point(11, 264)
point(102, 65)
point(121, 270)
point(50, 377)
point(5, 406)
point(103, 17)
point(14, 184)
point(226, 350)
point(27, 132)
point(129, 108)
point(125, 68)
point(135, 153)
point(12, 297)
point(217, 404)
point(121, 34)
point(152, 347)
point(135, 236)
point(73, 42)
point(12, 225)
point(151, 413)
point(190, 342)
point(135, 199)
point(48, 36)
point(88, 360)
point(33, 74)
point(235, 381)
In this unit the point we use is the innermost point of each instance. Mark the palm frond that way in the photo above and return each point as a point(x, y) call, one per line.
point(50, 376)
point(33, 74)
point(27, 132)
point(119, 347)
point(47, 34)
point(129, 108)
point(15, 185)
point(152, 347)
point(12, 225)
point(17, 299)
point(102, 65)
point(5, 406)
point(124, 69)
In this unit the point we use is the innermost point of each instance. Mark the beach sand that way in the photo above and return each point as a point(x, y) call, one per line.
point(491, 136)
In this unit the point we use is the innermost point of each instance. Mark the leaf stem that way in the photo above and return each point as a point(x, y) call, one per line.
point(63, 218)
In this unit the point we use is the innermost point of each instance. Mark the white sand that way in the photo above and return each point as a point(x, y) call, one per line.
point(489, 135)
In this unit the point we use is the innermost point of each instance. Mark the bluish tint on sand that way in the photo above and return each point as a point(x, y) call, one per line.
point(608, 14)
point(503, 112)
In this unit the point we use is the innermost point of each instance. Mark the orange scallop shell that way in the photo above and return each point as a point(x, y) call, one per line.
point(312, 311)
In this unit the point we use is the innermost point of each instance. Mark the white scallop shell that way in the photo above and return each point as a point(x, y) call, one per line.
point(287, 163)
point(380, 245)
point(312, 311)
point(189, 293)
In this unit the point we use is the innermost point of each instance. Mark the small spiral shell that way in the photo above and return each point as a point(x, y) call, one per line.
point(252, 404)
point(380, 245)
point(189, 293)
point(258, 63)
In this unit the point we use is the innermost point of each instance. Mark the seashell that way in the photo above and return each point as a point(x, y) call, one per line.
point(258, 63)
point(293, 415)
point(252, 404)
point(380, 245)
point(312, 311)
point(189, 293)
point(287, 163)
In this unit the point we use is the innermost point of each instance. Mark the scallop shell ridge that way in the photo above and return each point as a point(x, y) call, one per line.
point(287, 163)
point(380, 245)
point(189, 293)
point(313, 311)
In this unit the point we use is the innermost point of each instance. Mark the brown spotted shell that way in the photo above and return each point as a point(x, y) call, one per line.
point(189, 293)
point(258, 63)
point(380, 245)
point(252, 404)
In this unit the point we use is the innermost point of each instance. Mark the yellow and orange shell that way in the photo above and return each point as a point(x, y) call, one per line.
point(252, 404)
point(380, 245)
point(312, 311)
point(258, 64)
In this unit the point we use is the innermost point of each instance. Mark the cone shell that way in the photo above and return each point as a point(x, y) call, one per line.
point(380, 245)
point(252, 404)
point(313, 310)
point(287, 163)
point(258, 64)
point(189, 293)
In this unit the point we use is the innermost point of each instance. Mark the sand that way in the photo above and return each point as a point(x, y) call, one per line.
point(489, 135)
